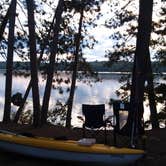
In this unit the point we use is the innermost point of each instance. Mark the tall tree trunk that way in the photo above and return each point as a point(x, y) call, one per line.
point(9, 64)
point(16, 118)
point(143, 69)
point(50, 74)
point(151, 95)
point(140, 67)
point(33, 63)
point(74, 74)
point(30, 83)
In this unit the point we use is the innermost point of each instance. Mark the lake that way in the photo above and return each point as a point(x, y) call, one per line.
point(86, 93)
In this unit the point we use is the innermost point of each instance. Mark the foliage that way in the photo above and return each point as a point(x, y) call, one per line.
point(124, 25)
point(58, 114)
point(26, 117)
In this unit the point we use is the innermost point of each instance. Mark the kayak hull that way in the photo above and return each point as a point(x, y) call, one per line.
point(70, 151)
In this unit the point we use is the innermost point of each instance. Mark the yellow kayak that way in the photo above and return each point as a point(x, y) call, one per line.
point(79, 151)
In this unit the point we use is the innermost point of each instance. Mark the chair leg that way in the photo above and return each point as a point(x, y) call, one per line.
point(105, 133)
point(83, 131)
point(93, 133)
point(114, 135)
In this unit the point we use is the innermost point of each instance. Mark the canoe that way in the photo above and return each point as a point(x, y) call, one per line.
point(68, 150)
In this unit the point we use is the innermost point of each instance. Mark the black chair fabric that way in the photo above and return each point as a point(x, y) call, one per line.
point(94, 115)
point(94, 118)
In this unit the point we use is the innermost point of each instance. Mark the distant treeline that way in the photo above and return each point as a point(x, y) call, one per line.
point(99, 66)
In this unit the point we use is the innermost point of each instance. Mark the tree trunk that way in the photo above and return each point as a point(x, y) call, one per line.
point(33, 63)
point(141, 61)
point(9, 64)
point(30, 83)
point(16, 118)
point(50, 73)
point(74, 75)
point(152, 103)
point(143, 70)
point(151, 96)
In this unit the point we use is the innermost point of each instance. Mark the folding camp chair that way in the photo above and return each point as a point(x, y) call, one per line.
point(120, 111)
point(94, 118)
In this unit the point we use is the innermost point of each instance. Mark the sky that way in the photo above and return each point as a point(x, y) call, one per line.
point(101, 34)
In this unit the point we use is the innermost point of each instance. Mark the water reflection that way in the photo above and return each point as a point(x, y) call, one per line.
point(95, 93)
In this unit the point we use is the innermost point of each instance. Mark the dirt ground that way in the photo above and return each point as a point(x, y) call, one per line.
point(155, 143)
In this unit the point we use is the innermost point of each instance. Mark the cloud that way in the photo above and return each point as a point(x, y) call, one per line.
point(101, 34)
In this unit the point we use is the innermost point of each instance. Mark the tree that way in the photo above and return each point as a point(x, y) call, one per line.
point(33, 63)
point(50, 73)
point(151, 93)
point(75, 66)
point(66, 46)
point(124, 47)
point(65, 42)
point(141, 66)
point(9, 65)
point(160, 30)
point(81, 7)
point(43, 46)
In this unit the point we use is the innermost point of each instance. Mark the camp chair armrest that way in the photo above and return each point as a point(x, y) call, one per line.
point(81, 118)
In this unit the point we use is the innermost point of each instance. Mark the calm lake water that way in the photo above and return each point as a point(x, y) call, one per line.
point(94, 93)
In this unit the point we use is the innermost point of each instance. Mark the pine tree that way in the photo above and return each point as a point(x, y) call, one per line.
point(50, 72)
point(33, 63)
point(9, 64)
point(75, 66)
